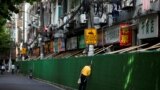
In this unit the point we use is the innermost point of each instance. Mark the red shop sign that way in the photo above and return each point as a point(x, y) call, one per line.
point(125, 35)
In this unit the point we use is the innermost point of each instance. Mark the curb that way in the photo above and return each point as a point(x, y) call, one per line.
point(61, 87)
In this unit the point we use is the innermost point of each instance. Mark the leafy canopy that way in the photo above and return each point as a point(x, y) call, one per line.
point(5, 41)
point(7, 7)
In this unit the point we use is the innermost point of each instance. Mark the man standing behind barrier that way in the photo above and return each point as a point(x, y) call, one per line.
point(13, 68)
point(85, 73)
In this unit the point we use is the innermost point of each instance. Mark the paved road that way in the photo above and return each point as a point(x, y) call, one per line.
point(17, 82)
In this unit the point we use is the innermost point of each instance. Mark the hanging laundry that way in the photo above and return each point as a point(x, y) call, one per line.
point(145, 5)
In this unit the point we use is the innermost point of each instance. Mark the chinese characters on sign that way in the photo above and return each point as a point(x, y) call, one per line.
point(148, 27)
point(90, 36)
point(125, 35)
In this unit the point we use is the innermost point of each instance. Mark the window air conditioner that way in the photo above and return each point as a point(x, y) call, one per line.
point(127, 3)
point(109, 8)
point(68, 17)
point(83, 18)
point(60, 22)
point(65, 18)
point(96, 20)
point(103, 19)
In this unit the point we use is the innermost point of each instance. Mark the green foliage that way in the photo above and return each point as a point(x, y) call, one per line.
point(7, 7)
point(5, 41)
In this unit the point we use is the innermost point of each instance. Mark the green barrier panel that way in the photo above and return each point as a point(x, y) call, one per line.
point(134, 71)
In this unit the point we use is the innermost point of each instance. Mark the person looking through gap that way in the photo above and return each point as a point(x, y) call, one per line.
point(85, 73)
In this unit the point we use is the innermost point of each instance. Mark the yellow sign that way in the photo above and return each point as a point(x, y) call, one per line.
point(90, 36)
point(23, 51)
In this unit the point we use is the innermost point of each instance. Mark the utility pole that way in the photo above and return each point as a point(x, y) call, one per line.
point(90, 25)
point(41, 31)
point(10, 51)
point(23, 28)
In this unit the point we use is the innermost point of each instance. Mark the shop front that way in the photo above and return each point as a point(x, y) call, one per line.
point(148, 30)
point(119, 36)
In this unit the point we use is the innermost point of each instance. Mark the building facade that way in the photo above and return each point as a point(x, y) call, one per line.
point(58, 25)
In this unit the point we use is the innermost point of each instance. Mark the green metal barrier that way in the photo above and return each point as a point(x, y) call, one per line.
point(134, 71)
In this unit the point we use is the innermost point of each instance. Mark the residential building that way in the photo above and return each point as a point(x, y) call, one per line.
point(120, 23)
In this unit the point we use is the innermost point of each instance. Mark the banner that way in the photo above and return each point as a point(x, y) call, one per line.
point(100, 38)
point(51, 46)
point(56, 45)
point(61, 44)
point(125, 35)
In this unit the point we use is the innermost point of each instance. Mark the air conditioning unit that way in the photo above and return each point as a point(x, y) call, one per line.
point(83, 18)
point(96, 20)
point(68, 17)
point(126, 4)
point(60, 22)
point(103, 19)
point(65, 20)
point(109, 8)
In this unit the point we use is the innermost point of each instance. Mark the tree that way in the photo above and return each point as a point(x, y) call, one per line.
point(5, 41)
point(7, 7)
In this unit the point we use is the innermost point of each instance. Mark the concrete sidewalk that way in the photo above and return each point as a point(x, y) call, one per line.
point(19, 82)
